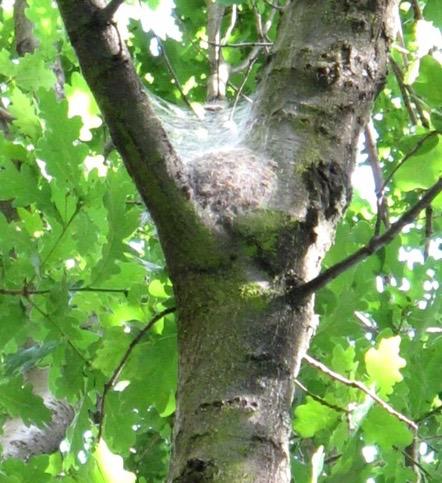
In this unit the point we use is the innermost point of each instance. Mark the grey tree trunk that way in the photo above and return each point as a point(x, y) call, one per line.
point(243, 229)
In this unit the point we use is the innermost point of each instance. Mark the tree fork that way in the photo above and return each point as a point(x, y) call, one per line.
point(241, 330)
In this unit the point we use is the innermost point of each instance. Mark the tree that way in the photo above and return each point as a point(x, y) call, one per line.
point(244, 225)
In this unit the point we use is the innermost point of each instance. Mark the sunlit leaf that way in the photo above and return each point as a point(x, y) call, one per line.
point(384, 363)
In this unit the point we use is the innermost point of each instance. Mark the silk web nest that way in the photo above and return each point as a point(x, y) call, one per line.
point(226, 175)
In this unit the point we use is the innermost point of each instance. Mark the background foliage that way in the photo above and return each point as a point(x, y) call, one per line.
point(81, 269)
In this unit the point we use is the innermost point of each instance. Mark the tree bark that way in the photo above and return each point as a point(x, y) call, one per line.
point(243, 229)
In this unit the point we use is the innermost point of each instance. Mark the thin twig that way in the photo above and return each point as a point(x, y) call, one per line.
point(373, 244)
point(107, 13)
point(241, 87)
point(416, 10)
point(362, 387)
point(375, 165)
point(112, 380)
point(5, 115)
point(416, 148)
point(433, 412)
point(242, 44)
point(273, 5)
point(231, 26)
point(25, 292)
point(321, 400)
point(418, 104)
point(400, 80)
point(175, 77)
point(254, 53)
point(261, 28)
point(236, 89)
point(413, 461)
point(428, 230)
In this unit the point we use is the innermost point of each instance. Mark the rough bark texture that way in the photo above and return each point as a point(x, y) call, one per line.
point(25, 42)
point(239, 252)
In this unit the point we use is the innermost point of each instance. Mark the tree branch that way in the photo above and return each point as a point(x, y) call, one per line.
point(137, 132)
point(373, 160)
point(428, 230)
point(372, 246)
point(111, 381)
point(433, 412)
point(400, 80)
point(417, 10)
point(25, 292)
point(362, 387)
point(321, 400)
point(107, 13)
point(242, 45)
point(175, 77)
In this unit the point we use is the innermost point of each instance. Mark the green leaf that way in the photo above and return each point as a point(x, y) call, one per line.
point(16, 471)
point(152, 370)
point(58, 148)
point(384, 364)
point(227, 3)
point(111, 466)
point(12, 317)
point(7, 67)
point(75, 434)
point(17, 399)
point(122, 222)
point(16, 184)
point(23, 110)
point(312, 417)
point(120, 420)
point(433, 12)
point(32, 73)
point(387, 431)
point(153, 4)
point(156, 289)
point(114, 344)
point(422, 169)
point(427, 84)
point(343, 359)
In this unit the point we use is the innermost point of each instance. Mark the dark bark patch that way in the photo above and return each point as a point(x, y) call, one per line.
point(235, 402)
point(197, 471)
point(327, 183)
point(257, 438)
point(268, 365)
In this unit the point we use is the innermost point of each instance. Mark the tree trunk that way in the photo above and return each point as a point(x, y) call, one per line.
point(244, 229)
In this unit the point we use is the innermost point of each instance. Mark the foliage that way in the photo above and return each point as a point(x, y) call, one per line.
point(82, 272)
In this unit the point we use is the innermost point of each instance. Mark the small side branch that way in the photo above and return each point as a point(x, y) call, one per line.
point(113, 379)
point(375, 165)
point(107, 13)
point(431, 413)
point(373, 245)
point(242, 45)
point(175, 77)
point(406, 98)
point(428, 230)
point(321, 400)
point(362, 387)
point(26, 292)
